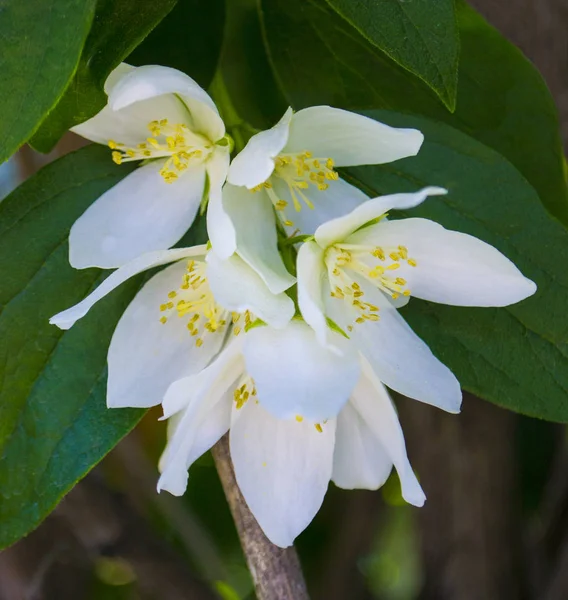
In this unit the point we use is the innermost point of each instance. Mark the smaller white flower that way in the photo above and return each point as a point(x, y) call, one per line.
point(175, 325)
point(290, 170)
point(161, 118)
point(359, 268)
point(283, 465)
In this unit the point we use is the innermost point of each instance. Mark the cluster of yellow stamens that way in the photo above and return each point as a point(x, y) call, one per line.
point(245, 389)
point(178, 144)
point(299, 172)
point(375, 264)
point(194, 298)
point(241, 321)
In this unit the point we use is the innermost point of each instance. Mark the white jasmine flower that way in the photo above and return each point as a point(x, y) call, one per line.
point(284, 464)
point(175, 325)
point(360, 267)
point(290, 168)
point(163, 119)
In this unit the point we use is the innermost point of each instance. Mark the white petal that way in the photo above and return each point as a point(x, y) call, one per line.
point(338, 200)
point(312, 275)
point(208, 398)
point(372, 402)
point(145, 356)
point(151, 81)
point(255, 163)
point(359, 460)
point(282, 468)
point(200, 427)
point(339, 229)
point(348, 138)
point(238, 288)
point(130, 124)
point(67, 318)
point(253, 218)
point(295, 376)
point(219, 225)
point(401, 359)
point(139, 214)
point(453, 267)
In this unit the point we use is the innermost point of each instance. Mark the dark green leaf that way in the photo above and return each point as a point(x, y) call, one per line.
point(245, 68)
point(117, 28)
point(502, 100)
point(54, 424)
point(517, 356)
point(421, 36)
point(188, 39)
point(40, 45)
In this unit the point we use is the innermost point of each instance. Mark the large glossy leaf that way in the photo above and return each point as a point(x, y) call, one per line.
point(502, 99)
point(54, 424)
point(189, 39)
point(117, 28)
point(421, 36)
point(517, 356)
point(40, 47)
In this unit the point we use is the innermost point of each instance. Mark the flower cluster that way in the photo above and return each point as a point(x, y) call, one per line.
point(284, 329)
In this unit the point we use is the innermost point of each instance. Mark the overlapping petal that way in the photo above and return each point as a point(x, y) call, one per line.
point(253, 218)
point(255, 163)
point(282, 467)
point(68, 317)
point(145, 355)
point(452, 267)
point(238, 288)
point(348, 138)
point(295, 376)
point(139, 214)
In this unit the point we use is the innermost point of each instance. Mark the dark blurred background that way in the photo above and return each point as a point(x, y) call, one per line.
point(495, 526)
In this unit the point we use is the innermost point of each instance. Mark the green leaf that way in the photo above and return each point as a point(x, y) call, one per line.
point(40, 47)
point(516, 357)
point(421, 36)
point(54, 424)
point(502, 99)
point(117, 29)
point(245, 68)
point(189, 39)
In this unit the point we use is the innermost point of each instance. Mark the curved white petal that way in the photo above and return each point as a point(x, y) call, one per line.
point(253, 218)
point(129, 125)
point(220, 227)
point(145, 355)
point(295, 376)
point(67, 318)
point(139, 214)
point(359, 460)
point(371, 400)
point(340, 228)
point(255, 163)
point(311, 280)
point(205, 400)
point(238, 288)
point(152, 81)
point(338, 200)
point(402, 360)
point(452, 267)
point(282, 468)
point(348, 138)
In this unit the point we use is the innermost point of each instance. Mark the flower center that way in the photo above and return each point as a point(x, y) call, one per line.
point(300, 172)
point(245, 389)
point(376, 264)
point(177, 143)
point(193, 300)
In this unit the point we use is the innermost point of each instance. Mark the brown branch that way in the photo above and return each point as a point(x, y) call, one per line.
point(276, 572)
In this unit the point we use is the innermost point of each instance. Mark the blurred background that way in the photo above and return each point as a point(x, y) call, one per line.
point(495, 526)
